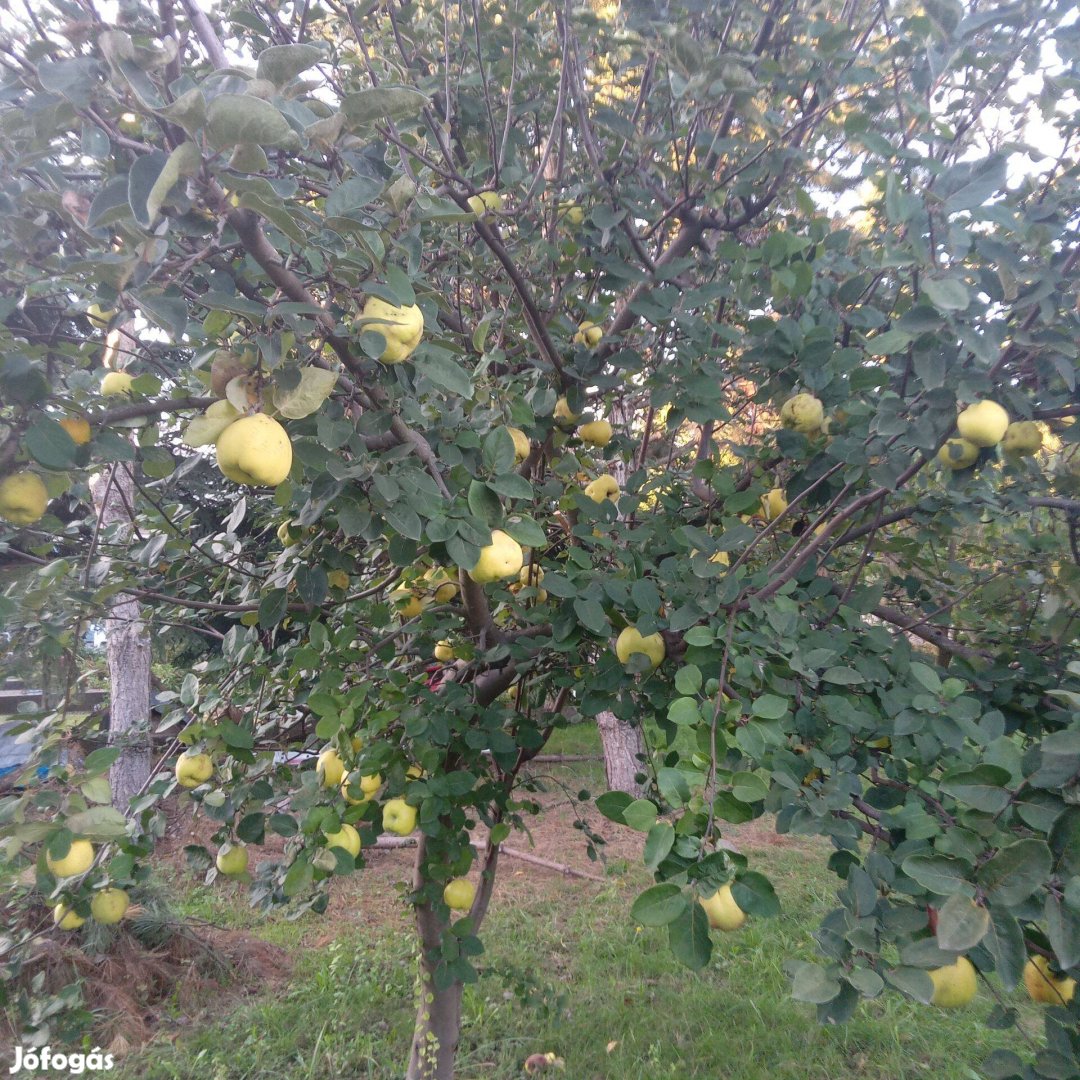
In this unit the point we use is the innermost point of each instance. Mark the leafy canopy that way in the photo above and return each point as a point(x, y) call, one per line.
point(873, 205)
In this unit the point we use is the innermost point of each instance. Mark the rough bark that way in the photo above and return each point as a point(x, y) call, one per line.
point(438, 1027)
point(438, 1011)
point(624, 754)
point(128, 654)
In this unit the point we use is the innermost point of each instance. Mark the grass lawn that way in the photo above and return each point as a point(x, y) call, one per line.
point(566, 970)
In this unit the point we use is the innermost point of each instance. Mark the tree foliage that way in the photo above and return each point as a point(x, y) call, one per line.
point(875, 205)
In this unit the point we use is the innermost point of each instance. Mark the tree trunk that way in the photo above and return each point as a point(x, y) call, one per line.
point(623, 743)
point(438, 1022)
point(52, 679)
point(128, 653)
point(624, 754)
point(438, 1011)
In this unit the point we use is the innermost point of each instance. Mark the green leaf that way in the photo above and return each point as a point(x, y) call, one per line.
point(241, 118)
point(96, 789)
point(382, 103)
point(754, 893)
point(49, 444)
point(204, 430)
point(867, 981)
point(962, 924)
point(980, 788)
point(684, 710)
point(188, 110)
point(938, 873)
point(688, 679)
point(446, 372)
point(168, 310)
point(480, 333)
point(307, 396)
point(843, 676)
point(252, 828)
point(946, 294)
point(352, 196)
point(59, 843)
point(592, 616)
point(98, 823)
point(323, 704)
point(185, 160)
point(769, 707)
point(280, 64)
point(312, 584)
point(405, 521)
point(484, 503)
point(133, 65)
point(298, 879)
point(97, 761)
point(328, 727)
point(658, 844)
point(688, 937)
point(525, 531)
point(929, 367)
point(283, 825)
point(75, 79)
point(1059, 759)
point(926, 677)
point(748, 787)
point(1063, 930)
point(1006, 942)
point(274, 211)
point(248, 158)
point(1016, 871)
point(699, 636)
point(673, 786)
point(640, 814)
point(813, 984)
point(497, 451)
point(400, 285)
point(110, 203)
point(728, 808)
point(189, 689)
point(142, 177)
point(645, 596)
point(512, 486)
point(235, 736)
point(659, 905)
point(971, 184)
point(913, 981)
point(889, 342)
point(1004, 1065)
point(612, 804)
point(272, 608)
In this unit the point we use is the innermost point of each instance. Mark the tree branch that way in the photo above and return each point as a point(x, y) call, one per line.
point(206, 33)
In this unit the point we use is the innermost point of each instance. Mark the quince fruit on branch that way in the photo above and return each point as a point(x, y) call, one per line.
point(401, 326)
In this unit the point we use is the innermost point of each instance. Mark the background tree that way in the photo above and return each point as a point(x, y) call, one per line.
point(127, 649)
point(407, 234)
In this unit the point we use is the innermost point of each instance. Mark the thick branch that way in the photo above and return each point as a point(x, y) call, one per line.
point(938, 638)
point(149, 408)
point(200, 23)
point(477, 609)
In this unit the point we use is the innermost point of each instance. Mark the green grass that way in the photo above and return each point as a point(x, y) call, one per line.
point(575, 739)
point(567, 970)
point(591, 979)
